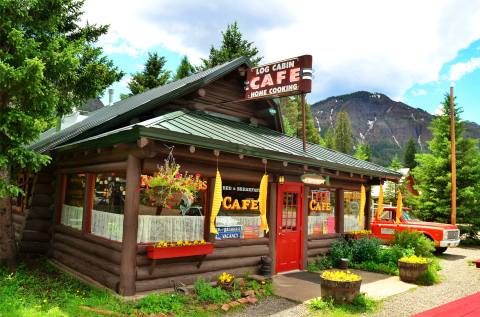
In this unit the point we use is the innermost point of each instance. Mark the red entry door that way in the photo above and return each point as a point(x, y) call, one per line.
point(289, 227)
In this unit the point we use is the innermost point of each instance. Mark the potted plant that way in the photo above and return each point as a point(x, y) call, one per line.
point(167, 187)
point(225, 281)
point(340, 286)
point(411, 267)
point(165, 250)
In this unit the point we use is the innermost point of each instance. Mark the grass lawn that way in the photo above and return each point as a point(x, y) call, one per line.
point(39, 289)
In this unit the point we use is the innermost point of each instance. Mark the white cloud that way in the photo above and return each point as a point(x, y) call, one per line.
point(459, 70)
point(371, 45)
point(419, 92)
point(124, 81)
point(439, 110)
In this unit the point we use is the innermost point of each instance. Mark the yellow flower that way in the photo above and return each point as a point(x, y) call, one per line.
point(195, 242)
point(341, 276)
point(179, 243)
point(225, 278)
point(414, 259)
point(202, 242)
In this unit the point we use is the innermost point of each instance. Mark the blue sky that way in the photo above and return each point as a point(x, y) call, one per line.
point(411, 51)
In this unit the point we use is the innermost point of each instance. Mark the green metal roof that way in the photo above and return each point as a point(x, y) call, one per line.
point(109, 117)
point(208, 131)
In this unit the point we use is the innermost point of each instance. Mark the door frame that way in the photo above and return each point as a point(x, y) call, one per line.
point(300, 220)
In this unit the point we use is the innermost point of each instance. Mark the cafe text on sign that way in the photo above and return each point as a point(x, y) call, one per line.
point(284, 78)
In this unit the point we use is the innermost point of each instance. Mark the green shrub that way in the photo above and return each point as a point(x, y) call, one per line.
point(340, 249)
point(431, 276)
point(324, 263)
point(360, 305)
point(386, 268)
point(415, 240)
point(162, 303)
point(365, 249)
point(312, 266)
point(393, 253)
point(209, 294)
point(321, 304)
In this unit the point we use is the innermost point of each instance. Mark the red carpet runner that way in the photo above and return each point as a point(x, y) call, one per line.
point(464, 307)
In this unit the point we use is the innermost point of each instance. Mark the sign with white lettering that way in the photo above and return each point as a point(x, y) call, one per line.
point(229, 232)
point(289, 77)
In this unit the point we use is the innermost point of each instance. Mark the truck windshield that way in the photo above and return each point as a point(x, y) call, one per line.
point(408, 215)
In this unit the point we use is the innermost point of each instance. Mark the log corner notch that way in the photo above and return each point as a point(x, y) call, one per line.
point(128, 268)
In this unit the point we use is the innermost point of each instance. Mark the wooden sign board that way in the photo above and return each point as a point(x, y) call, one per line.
point(288, 77)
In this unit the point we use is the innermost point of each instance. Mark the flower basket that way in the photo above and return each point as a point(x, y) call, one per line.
point(340, 291)
point(410, 272)
point(156, 253)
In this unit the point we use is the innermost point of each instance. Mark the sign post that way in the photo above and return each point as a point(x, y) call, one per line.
point(453, 162)
point(288, 77)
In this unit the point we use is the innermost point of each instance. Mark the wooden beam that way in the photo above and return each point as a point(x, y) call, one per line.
point(339, 210)
point(130, 228)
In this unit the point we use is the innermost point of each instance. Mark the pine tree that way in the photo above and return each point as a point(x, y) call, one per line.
point(233, 46)
point(433, 173)
point(342, 137)
point(409, 156)
point(291, 108)
point(362, 152)
point(185, 69)
point(152, 76)
point(49, 64)
point(395, 163)
point(329, 139)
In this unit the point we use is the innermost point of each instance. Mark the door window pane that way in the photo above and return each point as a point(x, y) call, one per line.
point(289, 211)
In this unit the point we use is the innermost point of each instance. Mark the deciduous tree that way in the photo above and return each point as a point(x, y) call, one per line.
point(49, 63)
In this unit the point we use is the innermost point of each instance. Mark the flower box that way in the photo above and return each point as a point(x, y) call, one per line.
point(340, 291)
point(156, 253)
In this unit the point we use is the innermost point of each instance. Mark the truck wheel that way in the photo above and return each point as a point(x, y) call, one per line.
point(440, 250)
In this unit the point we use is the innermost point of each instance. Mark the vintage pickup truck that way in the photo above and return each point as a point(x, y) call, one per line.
point(443, 235)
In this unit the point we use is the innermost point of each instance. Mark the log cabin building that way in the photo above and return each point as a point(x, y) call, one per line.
point(86, 213)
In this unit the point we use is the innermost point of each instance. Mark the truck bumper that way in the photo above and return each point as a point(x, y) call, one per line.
point(449, 243)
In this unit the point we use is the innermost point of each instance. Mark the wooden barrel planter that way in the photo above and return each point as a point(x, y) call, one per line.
point(340, 291)
point(410, 272)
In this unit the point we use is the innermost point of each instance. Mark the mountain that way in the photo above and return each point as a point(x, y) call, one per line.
point(385, 124)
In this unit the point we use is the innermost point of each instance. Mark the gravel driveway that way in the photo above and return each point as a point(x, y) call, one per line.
point(459, 279)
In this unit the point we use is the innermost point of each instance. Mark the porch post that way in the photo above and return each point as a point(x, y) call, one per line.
point(128, 262)
point(272, 225)
point(305, 227)
point(339, 211)
point(368, 205)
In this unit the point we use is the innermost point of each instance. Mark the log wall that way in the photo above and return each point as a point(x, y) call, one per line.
point(94, 257)
point(319, 246)
point(233, 256)
point(33, 226)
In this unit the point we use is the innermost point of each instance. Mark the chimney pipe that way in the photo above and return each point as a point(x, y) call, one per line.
point(110, 96)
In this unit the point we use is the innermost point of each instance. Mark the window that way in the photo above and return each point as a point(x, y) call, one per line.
point(321, 211)
point(183, 220)
point(108, 206)
point(239, 215)
point(73, 201)
point(351, 201)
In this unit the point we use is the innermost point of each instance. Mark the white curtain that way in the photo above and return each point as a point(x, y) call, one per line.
point(107, 225)
point(72, 216)
point(170, 228)
point(351, 223)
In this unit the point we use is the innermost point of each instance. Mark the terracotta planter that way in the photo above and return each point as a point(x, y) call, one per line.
point(410, 272)
point(180, 251)
point(340, 292)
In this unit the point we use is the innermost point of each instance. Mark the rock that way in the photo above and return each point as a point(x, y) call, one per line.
point(225, 307)
point(243, 300)
point(252, 299)
point(234, 303)
point(250, 292)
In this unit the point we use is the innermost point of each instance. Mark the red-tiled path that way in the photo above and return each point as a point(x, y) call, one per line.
point(464, 307)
